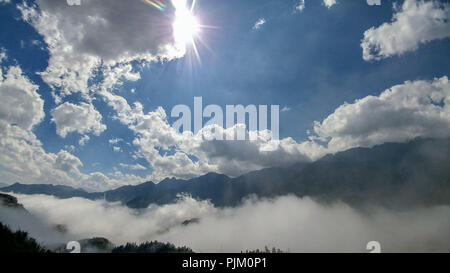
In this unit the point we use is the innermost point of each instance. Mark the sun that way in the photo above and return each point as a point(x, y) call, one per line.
point(185, 26)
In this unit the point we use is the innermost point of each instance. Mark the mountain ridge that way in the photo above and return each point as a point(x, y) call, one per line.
point(413, 172)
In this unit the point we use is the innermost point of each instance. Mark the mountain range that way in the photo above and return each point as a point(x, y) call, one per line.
point(390, 174)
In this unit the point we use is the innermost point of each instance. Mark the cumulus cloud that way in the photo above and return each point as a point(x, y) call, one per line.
point(104, 44)
point(20, 103)
point(409, 110)
point(289, 223)
point(22, 156)
point(187, 155)
point(93, 38)
point(82, 118)
point(99, 34)
point(21, 153)
point(24, 159)
point(416, 22)
point(237, 157)
point(399, 114)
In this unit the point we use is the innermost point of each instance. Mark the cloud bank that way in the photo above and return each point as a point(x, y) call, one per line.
point(289, 223)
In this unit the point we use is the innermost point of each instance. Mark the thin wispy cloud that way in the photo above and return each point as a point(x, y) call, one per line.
point(259, 23)
point(285, 109)
point(134, 167)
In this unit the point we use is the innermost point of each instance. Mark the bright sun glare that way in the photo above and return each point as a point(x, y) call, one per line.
point(185, 26)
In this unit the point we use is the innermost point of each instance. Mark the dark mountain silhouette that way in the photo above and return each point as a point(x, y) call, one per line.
point(391, 174)
point(10, 201)
point(60, 191)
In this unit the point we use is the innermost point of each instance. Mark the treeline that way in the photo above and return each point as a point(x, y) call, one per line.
point(265, 250)
point(151, 247)
point(18, 242)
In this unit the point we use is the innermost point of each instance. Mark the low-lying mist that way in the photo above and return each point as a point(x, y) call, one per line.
point(289, 223)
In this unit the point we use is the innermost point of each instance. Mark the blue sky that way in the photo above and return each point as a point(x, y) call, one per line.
point(310, 61)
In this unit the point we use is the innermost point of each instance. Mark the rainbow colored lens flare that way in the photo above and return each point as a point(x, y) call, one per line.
point(157, 4)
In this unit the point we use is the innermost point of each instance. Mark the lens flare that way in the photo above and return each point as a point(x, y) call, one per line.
point(157, 4)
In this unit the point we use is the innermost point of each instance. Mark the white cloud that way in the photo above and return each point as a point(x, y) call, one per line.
point(96, 35)
point(412, 109)
point(399, 114)
point(83, 140)
point(115, 140)
point(67, 162)
point(155, 137)
point(285, 109)
point(135, 167)
point(117, 149)
point(20, 103)
point(235, 158)
point(374, 2)
point(329, 3)
point(22, 156)
point(94, 40)
point(82, 118)
point(92, 36)
point(115, 76)
point(259, 23)
point(288, 223)
point(69, 148)
point(2, 56)
point(416, 22)
point(300, 6)
point(23, 159)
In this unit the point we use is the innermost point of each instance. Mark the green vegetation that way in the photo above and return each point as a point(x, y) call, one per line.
point(18, 242)
point(151, 247)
